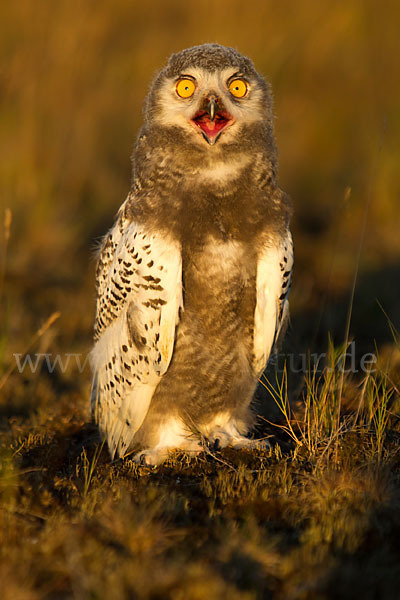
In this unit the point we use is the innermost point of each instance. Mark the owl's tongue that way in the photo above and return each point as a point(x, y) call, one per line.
point(212, 128)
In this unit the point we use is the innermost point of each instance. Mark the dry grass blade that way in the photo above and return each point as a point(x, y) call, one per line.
point(46, 325)
point(6, 237)
point(363, 230)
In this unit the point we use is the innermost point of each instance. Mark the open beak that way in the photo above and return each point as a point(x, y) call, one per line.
point(212, 119)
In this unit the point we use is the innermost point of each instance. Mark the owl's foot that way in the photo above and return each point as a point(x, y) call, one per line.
point(222, 439)
point(152, 457)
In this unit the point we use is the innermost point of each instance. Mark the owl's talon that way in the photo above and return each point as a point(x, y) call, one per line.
point(217, 444)
point(237, 441)
point(151, 457)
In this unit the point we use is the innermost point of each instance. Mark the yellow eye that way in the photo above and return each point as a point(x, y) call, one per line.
point(185, 88)
point(238, 88)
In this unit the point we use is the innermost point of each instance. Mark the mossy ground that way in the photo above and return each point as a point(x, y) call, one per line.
point(278, 523)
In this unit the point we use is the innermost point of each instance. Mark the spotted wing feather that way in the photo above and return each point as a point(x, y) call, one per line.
point(139, 293)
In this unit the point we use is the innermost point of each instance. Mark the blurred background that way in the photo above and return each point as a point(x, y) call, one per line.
point(73, 78)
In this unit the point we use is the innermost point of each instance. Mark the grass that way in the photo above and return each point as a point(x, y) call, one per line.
point(321, 426)
point(298, 520)
point(317, 515)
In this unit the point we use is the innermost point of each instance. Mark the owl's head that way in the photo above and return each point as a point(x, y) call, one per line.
point(211, 93)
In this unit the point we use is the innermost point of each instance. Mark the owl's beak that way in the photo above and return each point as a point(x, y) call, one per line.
point(211, 107)
point(212, 118)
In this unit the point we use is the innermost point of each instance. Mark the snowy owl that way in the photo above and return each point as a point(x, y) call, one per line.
point(193, 278)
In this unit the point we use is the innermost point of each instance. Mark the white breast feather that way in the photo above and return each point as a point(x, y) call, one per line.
point(274, 272)
point(139, 282)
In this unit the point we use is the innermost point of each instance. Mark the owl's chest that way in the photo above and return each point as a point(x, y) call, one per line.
point(219, 279)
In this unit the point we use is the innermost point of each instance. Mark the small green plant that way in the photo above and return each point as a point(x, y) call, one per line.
point(322, 424)
point(279, 393)
point(377, 398)
point(88, 467)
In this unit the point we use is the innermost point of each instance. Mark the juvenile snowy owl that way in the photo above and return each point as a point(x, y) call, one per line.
point(193, 278)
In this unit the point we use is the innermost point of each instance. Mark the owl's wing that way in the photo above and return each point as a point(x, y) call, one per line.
point(139, 294)
point(274, 278)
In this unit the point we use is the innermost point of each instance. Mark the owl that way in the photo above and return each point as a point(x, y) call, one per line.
point(193, 278)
